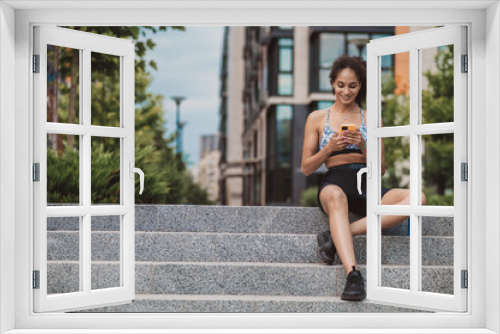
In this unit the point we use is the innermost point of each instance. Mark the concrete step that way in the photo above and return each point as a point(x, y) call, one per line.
point(238, 247)
point(289, 220)
point(240, 278)
point(246, 304)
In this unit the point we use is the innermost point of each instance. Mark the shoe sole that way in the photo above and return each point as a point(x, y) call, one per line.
point(353, 298)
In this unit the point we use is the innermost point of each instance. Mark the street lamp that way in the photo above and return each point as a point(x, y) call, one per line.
point(179, 125)
point(360, 43)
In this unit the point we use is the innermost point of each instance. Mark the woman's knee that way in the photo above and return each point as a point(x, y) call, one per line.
point(335, 197)
point(424, 199)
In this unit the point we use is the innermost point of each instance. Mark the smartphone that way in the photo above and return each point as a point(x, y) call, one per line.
point(347, 127)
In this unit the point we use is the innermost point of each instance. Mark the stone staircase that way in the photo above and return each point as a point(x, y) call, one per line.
point(239, 259)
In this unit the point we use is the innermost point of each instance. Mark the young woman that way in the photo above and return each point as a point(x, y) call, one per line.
point(344, 153)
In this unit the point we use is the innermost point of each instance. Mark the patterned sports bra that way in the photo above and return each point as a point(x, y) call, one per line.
point(328, 133)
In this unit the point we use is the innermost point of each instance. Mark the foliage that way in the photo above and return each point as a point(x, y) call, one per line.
point(197, 195)
point(397, 149)
point(437, 107)
point(166, 177)
point(309, 197)
point(434, 198)
point(63, 177)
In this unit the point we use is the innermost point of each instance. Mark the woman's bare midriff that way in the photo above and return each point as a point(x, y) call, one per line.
point(351, 158)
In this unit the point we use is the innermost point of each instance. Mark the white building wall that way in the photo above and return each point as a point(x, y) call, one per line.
point(301, 64)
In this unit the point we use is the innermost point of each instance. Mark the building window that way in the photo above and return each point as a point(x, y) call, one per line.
point(256, 187)
point(323, 104)
point(279, 159)
point(281, 67)
point(327, 46)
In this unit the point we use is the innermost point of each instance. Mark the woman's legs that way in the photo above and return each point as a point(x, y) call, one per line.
point(334, 202)
point(392, 197)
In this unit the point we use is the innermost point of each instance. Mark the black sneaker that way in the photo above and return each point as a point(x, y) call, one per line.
point(354, 287)
point(326, 249)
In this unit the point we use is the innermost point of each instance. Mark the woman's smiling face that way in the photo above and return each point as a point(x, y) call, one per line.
point(346, 86)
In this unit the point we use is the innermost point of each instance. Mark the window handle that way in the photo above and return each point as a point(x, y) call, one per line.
point(141, 175)
point(360, 173)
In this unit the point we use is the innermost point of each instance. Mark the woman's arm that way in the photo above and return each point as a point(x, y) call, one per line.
point(312, 160)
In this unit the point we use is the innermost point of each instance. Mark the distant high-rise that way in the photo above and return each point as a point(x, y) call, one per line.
point(208, 168)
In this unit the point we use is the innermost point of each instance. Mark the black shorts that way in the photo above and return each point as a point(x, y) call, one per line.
point(346, 177)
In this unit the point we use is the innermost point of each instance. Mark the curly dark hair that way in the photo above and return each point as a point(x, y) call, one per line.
point(358, 65)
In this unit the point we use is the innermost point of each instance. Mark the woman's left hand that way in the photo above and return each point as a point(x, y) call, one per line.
point(353, 137)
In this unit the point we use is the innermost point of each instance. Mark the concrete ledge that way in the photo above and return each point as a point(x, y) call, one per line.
point(246, 304)
point(241, 278)
point(289, 220)
point(238, 247)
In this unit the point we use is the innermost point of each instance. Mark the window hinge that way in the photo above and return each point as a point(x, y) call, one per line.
point(465, 171)
point(36, 172)
point(465, 64)
point(36, 279)
point(465, 279)
point(36, 63)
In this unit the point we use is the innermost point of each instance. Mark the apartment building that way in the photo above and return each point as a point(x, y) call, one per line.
point(272, 78)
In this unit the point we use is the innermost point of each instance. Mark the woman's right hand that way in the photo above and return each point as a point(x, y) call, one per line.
point(336, 143)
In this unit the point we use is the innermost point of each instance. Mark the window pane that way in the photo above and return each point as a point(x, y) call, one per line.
point(285, 84)
point(63, 169)
point(324, 104)
point(437, 169)
point(105, 170)
point(284, 116)
point(395, 257)
point(105, 252)
point(285, 42)
point(437, 77)
point(395, 89)
point(63, 85)
point(63, 255)
point(387, 62)
point(105, 89)
point(375, 36)
point(397, 163)
point(331, 46)
point(437, 255)
point(279, 163)
point(324, 81)
point(286, 60)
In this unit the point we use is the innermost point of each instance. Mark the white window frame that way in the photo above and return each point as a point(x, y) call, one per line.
point(415, 43)
point(85, 297)
point(483, 21)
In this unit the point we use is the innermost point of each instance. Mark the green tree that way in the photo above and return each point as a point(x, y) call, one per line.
point(166, 176)
point(437, 107)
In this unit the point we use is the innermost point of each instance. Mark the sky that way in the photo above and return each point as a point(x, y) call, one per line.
point(189, 65)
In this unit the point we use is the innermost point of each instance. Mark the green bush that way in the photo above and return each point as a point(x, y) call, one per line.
point(433, 198)
point(166, 180)
point(63, 177)
point(309, 197)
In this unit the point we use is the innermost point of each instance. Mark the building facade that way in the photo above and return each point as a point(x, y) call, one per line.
point(272, 78)
point(231, 117)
